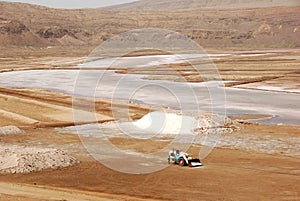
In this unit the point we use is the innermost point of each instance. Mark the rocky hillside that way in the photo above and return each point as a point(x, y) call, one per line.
point(13, 32)
point(202, 4)
point(29, 25)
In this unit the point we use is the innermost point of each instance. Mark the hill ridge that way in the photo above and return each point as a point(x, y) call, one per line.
point(201, 4)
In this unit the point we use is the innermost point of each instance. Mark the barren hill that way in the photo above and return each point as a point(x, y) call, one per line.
point(202, 4)
point(244, 28)
point(13, 32)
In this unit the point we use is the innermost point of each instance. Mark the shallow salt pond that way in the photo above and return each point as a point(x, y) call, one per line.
point(209, 96)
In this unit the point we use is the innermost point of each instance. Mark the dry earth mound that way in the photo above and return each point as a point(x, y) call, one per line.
point(10, 130)
point(24, 160)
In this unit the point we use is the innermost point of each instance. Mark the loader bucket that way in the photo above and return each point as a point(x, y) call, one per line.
point(195, 162)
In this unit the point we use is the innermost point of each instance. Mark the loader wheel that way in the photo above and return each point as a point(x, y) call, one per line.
point(181, 162)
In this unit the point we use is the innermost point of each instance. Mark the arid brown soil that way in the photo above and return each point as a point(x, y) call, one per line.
point(38, 108)
point(28, 25)
point(227, 174)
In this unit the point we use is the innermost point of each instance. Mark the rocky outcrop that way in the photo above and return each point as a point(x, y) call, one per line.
point(13, 32)
point(55, 32)
point(12, 27)
point(64, 36)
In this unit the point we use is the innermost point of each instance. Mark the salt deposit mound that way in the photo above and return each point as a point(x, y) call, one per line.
point(10, 130)
point(158, 124)
point(24, 160)
point(166, 123)
point(172, 123)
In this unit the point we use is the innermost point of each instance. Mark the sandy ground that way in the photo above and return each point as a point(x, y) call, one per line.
point(29, 192)
point(229, 173)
